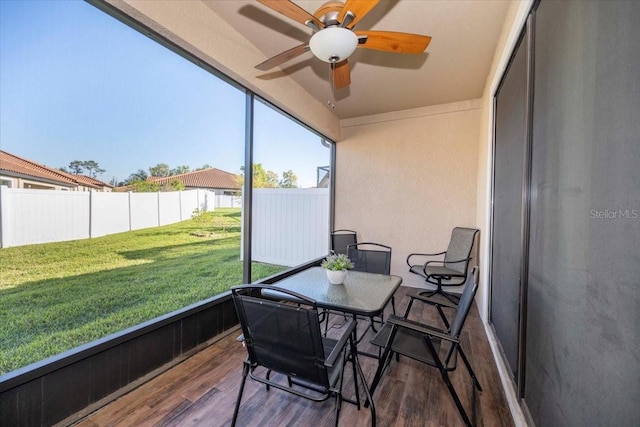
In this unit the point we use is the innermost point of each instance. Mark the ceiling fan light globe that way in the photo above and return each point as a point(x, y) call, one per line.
point(333, 44)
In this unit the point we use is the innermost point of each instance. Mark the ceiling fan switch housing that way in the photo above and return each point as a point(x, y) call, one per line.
point(333, 42)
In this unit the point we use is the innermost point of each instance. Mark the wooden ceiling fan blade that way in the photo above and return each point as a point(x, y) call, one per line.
point(292, 11)
point(283, 57)
point(359, 8)
point(340, 74)
point(391, 41)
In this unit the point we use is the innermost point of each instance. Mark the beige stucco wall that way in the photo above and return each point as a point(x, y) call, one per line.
point(405, 179)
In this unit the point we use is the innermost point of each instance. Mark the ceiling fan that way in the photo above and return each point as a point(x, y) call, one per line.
point(334, 38)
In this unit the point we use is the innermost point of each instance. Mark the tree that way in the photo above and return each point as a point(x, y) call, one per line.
point(161, 169)
point(92, 168)
point(77, 167)
point(174, 185)
point(140, 175)
point(180, 170)
point(289, 180)
point(261, 178)
point(145, 187)
point(205, 166)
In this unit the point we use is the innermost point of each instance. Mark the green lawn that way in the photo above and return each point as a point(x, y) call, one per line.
point(56, 296)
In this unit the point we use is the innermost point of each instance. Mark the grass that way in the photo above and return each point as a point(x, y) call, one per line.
point(57, 296)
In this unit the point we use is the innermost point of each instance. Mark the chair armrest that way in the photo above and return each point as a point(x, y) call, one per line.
point(333, 356)
point(423, 329)
point(429, 298)
point(448, 276)
point(422, 255)
point(424, 267)
point(460, 260)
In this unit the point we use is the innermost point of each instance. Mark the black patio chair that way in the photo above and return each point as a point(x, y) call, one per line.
point(372, 257)
point(423, 343)
point(452, 269)
point(340, 239)
point(285, 338)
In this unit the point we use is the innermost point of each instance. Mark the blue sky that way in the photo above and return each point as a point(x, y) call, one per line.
point(76, 84)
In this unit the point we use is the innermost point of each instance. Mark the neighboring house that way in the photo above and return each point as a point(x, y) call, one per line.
point(212, 179)
point(323, 176)
point(16, 172)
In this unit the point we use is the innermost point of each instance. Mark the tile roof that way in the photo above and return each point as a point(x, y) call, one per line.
point(90, 181)
point(14, 165)
point(205, 178)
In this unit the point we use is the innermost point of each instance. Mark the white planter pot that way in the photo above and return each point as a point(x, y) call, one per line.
point(336, 277)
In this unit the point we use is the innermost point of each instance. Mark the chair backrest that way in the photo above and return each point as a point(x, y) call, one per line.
point(464, 305)
point(370, 257)
point(283, 337)
point(459, 248)
point(463, 308)
point(340, 239)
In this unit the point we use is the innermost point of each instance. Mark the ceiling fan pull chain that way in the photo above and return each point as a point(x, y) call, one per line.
point(331, 102)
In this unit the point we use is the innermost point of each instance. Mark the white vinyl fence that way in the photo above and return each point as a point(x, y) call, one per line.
point(224, 201)
point(290, 226)
point(44, 216)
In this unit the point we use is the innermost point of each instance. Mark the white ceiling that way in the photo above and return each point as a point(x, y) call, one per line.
point(454, 68)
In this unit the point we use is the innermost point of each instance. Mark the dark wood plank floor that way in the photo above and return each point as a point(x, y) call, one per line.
point(201, 391)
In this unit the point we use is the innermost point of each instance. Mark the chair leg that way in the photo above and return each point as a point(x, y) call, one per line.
point(406, 312)
point(353, 354)
point(345, 359)
point(369, 398)
point(451, 297)
point(445, 377)
point(373, 324)
point(476, 383)
point(338, 405)
point(326, 322)
point(245, 372)
point(456, 399)
point(443, 317)
point(382, 364)
point(370, 325)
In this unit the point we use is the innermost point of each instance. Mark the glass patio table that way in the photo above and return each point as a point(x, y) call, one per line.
point(361, 294)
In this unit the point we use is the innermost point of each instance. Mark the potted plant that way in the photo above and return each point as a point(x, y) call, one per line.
point(336, 266)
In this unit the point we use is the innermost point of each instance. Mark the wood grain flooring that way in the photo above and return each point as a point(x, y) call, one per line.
point(202, 390)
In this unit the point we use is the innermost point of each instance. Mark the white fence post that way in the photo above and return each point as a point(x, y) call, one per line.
point(91, 215)
point(4, 216)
